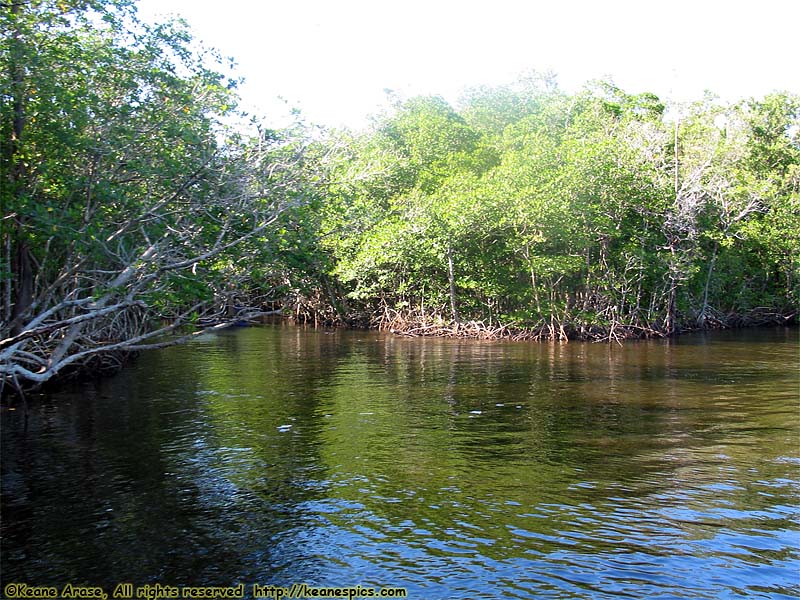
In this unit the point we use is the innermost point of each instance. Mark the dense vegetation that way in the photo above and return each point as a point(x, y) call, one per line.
point(600, 214)
point(127, 192)
point(138, 204)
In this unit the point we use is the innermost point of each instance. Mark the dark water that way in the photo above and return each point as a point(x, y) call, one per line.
point(452, 469)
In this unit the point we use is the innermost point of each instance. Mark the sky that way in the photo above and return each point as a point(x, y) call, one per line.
point(334, 59)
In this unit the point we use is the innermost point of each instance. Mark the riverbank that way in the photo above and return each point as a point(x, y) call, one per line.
point(416, 325)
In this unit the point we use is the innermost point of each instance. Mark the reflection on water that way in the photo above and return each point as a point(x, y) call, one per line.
point(454, 469)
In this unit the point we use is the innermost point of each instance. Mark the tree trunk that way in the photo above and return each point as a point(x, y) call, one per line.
point(338, 306)
point(701, 319)
point(20, 286)
point(6, 283)
point(535, 289)
point(22, 281)
point(669, 321)
point(451, 276)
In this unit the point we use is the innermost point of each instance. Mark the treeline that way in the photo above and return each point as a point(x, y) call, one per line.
point(138, 204)
point(528, 212)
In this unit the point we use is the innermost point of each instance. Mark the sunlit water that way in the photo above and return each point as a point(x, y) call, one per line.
point(454, 469)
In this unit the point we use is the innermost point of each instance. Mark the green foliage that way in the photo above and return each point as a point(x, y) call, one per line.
point(114, 114)
point(130, 203)
point(123, 182)
point(550, 206)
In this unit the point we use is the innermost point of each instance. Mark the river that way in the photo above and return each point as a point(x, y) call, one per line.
point(453, 469)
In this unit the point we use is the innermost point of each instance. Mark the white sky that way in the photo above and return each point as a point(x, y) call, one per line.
point(333, 59)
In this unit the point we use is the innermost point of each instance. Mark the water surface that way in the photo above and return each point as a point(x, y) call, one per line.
point(454, 469)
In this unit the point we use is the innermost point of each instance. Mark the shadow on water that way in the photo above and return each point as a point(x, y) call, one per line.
point(455, 469)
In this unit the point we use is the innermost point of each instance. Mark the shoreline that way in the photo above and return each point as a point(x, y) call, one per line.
point(464, 330)
point(413, 327)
